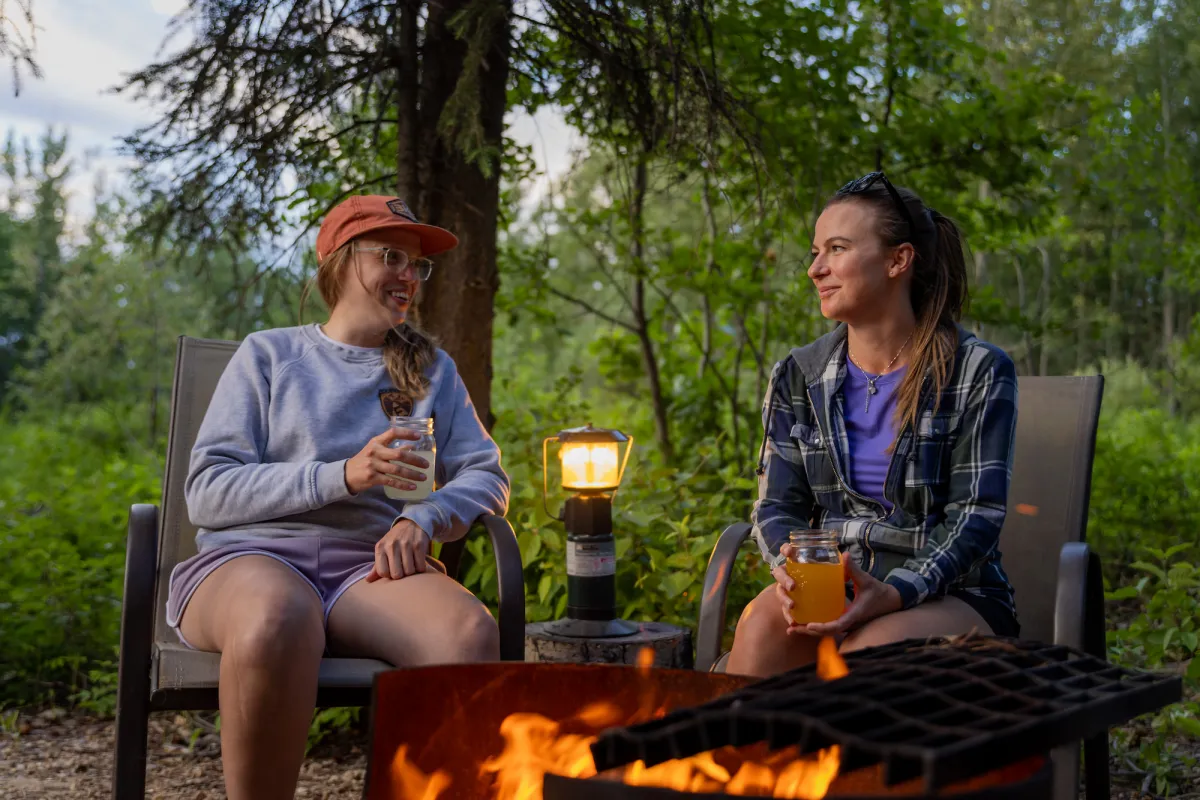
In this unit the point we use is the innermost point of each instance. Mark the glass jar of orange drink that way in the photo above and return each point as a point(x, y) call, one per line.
point(816, 567)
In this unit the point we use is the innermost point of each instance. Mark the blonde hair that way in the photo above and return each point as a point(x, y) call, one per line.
point(408, 351)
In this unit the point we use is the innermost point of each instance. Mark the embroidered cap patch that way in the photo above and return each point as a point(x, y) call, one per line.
point(401, 209)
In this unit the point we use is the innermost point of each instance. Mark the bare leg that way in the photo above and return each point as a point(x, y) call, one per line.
point(425, 618)
point(762, 647)
point(266, 623)
point(761, 644)
point(947, 616)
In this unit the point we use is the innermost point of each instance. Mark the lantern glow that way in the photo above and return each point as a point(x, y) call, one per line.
point(589, 466)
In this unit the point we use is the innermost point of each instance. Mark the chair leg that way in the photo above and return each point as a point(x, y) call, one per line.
point(1095, 750)
point(129, 773)
point(1095, 767)
point(133, 676)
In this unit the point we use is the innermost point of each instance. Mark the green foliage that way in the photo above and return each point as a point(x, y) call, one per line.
point(1161, 633)
point(64, 500)
point(328, 720)
point(1147, 533)
point(1146, 465)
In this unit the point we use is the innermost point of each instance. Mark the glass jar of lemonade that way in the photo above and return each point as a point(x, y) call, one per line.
point(816, 567)
point(425, 447)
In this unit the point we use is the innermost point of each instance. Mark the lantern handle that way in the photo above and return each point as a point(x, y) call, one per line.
point(624, 462)
point(545, 477)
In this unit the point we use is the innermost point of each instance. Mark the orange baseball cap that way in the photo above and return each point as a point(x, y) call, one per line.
point(370, 213)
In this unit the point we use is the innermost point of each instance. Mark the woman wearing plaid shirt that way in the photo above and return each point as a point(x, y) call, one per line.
point(895, 431)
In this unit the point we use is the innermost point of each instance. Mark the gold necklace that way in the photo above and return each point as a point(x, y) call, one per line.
point(871, 388)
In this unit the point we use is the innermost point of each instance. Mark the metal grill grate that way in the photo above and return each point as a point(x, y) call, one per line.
point(942, 710)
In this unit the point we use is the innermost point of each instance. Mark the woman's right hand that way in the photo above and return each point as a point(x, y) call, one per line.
point(373, 465)
point(784, 583)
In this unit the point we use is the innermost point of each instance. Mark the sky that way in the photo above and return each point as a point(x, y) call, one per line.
point(86, 47)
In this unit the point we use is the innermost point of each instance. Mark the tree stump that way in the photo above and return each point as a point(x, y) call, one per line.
point(671, 644)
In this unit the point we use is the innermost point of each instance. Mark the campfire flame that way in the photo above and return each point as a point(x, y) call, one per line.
point(535, 745)
point(415, 784)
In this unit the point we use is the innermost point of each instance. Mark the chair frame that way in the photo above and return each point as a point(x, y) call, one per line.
point(138, 693)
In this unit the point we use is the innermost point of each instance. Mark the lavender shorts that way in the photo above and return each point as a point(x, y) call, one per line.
point(329, 566)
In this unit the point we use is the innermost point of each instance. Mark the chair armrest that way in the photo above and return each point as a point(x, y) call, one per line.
point(510, 581)
point(716, 590)
point(1070, 597)
point(1079, 601)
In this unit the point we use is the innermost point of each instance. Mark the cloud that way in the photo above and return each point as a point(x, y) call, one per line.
point(83, 52)
point(84, 49)
point(168, 7)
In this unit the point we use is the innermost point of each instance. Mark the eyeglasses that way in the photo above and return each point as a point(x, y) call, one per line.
point(860, 185)
point(399, 260)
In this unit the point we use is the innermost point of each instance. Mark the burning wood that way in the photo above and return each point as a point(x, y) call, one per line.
point(535, 745)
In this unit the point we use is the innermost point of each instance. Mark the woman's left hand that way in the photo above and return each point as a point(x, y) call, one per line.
point(401, 552)
point(872, 598)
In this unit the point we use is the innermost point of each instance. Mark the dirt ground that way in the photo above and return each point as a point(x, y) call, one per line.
point(58, 755)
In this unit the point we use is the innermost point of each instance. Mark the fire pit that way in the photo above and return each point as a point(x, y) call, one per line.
point(969, 718)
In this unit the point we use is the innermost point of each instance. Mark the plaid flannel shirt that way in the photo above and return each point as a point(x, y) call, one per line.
point(947, 483)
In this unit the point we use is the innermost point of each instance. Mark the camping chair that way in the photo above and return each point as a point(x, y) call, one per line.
point(156, 671)
point(1047, 513)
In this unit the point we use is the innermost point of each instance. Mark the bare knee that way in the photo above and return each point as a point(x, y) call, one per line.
point(761, 623)
point(475, 636)
point(282, 630)
point(761, 644)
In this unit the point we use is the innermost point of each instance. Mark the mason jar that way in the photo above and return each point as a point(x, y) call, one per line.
point(815, 565)
point(425, 447)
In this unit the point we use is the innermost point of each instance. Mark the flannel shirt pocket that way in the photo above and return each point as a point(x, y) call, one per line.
point(932, 447)
point(808, 437)
point(814, 453)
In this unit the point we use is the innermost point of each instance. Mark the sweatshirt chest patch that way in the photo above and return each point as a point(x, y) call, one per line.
point(394, 404)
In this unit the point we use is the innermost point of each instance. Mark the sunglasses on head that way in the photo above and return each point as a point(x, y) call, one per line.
point(860, 185)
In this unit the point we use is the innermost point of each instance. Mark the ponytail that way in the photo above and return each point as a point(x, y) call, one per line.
point(939, 293)
point(407, 353)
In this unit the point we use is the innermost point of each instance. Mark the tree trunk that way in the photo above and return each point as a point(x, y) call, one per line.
point(710, 267)
point(641, 321)
point(1114, 298)
point(408, 85)
point(981, 258)
point(1168, 290)
point(456, 305)
point(1044, 303)
point(1026, 339)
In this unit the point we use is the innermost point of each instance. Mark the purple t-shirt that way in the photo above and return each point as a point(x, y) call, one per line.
point(870, 429)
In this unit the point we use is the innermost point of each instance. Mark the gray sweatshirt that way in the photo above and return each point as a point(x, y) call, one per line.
point(288, 412)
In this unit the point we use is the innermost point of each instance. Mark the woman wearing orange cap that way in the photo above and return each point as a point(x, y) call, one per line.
point(314, 510)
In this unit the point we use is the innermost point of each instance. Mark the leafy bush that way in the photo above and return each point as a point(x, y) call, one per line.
point(64, 501)
point(1145, 524)
point(1146, 465)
